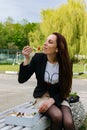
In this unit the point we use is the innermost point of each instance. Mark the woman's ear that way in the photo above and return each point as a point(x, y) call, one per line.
point(57, 50)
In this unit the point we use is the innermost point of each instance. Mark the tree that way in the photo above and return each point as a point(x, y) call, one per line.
point(83, 44)
point(15, 35)
point(36, 39)
point(69, 20)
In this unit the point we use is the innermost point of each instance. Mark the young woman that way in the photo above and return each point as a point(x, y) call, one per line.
point(54, 79)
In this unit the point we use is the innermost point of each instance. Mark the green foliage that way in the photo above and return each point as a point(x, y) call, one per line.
point(73, 94)
point(70, 20)
point(15, 35)
point(36, 39)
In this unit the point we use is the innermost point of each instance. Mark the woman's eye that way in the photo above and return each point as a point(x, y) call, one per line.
point(50, 41)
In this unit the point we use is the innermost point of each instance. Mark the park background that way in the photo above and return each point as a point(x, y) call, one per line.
point(69, 19)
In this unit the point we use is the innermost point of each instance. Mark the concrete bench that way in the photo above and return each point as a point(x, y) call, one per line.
point(42, 124)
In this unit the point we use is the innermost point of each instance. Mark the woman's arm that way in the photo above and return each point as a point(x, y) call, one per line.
point(26, 52)
point(26, 69)
point(46, 105)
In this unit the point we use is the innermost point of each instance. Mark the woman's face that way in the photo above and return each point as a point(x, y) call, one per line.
point(50, 46)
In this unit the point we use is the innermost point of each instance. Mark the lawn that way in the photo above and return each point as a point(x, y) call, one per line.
point(77, 68)
point(9, 68)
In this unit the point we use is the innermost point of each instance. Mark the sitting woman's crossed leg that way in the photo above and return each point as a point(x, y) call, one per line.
point(60, 118)
point(68, 123)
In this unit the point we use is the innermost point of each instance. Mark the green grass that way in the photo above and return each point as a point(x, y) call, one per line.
point(77, 68)
point(9, 68)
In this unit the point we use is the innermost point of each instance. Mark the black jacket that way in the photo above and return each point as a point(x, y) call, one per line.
point(37, 65)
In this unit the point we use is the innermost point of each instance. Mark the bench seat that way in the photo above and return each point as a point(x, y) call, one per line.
point(42, 124)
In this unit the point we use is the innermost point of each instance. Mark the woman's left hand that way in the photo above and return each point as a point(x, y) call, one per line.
point(46, 105)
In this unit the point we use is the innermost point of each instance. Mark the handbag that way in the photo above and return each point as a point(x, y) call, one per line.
point(77, 109)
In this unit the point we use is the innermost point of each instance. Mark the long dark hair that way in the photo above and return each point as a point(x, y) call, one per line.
point(65, 66)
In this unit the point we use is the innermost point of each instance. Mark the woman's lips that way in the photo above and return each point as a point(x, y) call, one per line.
point(45, 48)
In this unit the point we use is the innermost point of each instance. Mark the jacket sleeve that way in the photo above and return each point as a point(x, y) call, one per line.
point(57, 99)
point(25, 72)
point(55, 93)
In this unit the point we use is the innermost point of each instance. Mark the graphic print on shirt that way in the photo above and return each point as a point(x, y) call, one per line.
point(52, 73)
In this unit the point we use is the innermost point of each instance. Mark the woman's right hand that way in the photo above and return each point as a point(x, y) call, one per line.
point(26, 52)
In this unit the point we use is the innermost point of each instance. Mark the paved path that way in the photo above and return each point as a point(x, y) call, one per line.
point(80, 86)
point(12, 93)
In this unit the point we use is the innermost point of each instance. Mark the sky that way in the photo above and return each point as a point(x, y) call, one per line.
point(26, 9)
